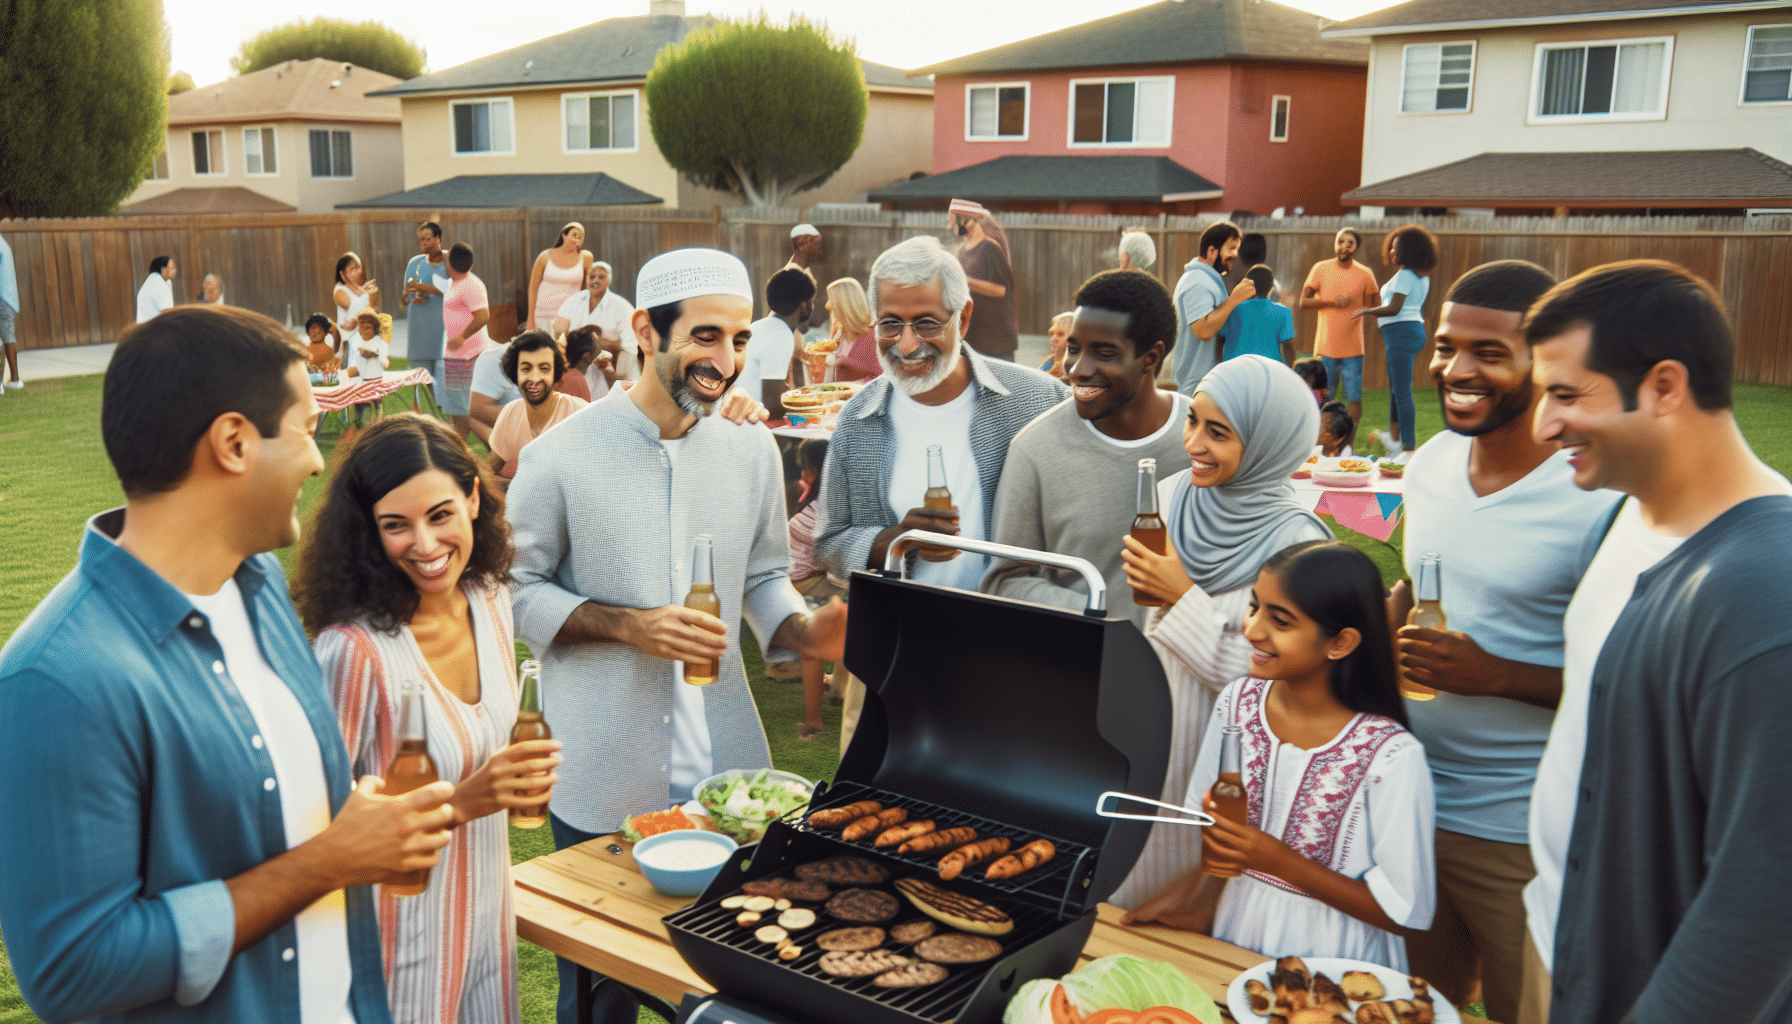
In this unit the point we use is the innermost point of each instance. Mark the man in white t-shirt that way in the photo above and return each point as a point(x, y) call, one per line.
point(157, 292)
point(789, 294)
point(599, 306)
point(1657, 822)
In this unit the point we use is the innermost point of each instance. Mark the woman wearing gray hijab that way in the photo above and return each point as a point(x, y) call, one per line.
point(1250, 426)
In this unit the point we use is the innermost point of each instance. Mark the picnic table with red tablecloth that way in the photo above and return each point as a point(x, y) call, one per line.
point(344, 395)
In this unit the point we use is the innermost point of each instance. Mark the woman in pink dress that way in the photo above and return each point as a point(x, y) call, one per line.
point(559, 274)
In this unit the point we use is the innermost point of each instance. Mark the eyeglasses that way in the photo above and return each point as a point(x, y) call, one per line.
point(926, 330)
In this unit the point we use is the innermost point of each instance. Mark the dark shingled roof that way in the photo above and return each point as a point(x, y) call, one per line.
point(507, 190)
point(1172, 32)
point(227, 199)
point(1685, 177)
point(1111, 178)
point(1417, 13)
point(613, 50)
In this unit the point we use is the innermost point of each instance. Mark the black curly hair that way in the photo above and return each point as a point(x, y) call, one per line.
point(344, 574)
point(531, 341)
point(1410, 246)
point(1140, 296)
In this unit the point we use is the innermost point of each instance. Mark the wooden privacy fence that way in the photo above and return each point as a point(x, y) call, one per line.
point(78, 279)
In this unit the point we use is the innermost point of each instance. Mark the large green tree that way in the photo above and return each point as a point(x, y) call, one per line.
point(757, 109)
point(367, 44)
point(83, 103)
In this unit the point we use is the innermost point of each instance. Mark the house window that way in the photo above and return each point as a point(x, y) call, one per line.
point(598, 121)
point(1619, 80)
point(482, 127)
point(332, 154)
point(1438, 78)
point(996, 111)
point(1121, 112)
point(1767, 77)
point(258, 151)
point(1278, 119)
point(208, 152)
point(158, 171)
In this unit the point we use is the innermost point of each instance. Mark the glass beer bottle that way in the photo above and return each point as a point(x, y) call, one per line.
point(1148, 527)
point(1228, 790)
point(412, 768)
point(1429, 612)
point(703, 598)
point(937, 497)
point(530, 725)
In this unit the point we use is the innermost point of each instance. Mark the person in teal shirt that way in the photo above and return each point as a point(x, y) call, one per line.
point(9, 312)
point(1258, 326)
point(424, 281)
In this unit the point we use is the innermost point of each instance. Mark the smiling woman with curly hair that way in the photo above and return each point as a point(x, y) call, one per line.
point(403, 579)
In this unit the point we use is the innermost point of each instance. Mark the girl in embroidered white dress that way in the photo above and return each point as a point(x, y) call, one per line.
point(1336, 857)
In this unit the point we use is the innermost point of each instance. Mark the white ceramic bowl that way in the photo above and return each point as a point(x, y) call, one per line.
point(682, 881)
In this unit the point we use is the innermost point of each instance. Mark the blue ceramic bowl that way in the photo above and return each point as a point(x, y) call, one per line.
point(657, 863)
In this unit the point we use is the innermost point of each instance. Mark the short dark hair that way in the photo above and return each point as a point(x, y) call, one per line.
point(1510, 286)
point(320, 320)
point(172, 377)
point(1411, 246)
point(787, 290)
point(1253, 249)
point(1217, 235)
point(344, 574)
point(531, 341)
point(156, 265)
point(432, 227)
point(580, 341)
point(460, 257)
point(1338, 587)
point(662, 318)
point(1335, 416)
point(1263, 277)
point(1151, 315)
point(1312, 370)
point(1640, 313)
point(1352, 232)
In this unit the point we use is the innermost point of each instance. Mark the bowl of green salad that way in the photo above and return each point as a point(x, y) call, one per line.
point(742, 802)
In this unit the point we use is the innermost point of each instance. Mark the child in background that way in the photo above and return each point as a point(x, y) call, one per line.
point(1259, 326)
point(1336, 857)
point(1334, 432)
point(368, 355)
point(1313, 372)
point(812, 581)
point(325, 350)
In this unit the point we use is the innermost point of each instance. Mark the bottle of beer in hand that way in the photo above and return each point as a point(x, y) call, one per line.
point(937, 497)
point(703, 598)
point(411, 768)
point(1228, 790)
point(1148, 527)
point(1429, 612)
point(530, 725)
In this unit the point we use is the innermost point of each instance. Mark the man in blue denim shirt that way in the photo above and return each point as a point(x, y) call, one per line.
point(169, 762)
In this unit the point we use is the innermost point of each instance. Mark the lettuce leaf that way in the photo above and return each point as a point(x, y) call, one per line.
point(1114, 982)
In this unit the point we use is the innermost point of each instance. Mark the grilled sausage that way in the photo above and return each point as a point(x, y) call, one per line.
point(874, 823)
point(943, 841)
point(1026, 858)
point(834, 817)
point(952, 864)
point(903, 833)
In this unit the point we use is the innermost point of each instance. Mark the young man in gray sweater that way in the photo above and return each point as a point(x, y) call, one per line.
point(1070, 484)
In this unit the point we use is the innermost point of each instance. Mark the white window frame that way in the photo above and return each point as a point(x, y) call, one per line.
point(273, 133)
point(1667, 74)
point(352, 160)
point(1169, 114)
point(1474, 66)
point(223, 168)
point(1287, 117)
point(1026, 123)
point(1748, 47)
point(510, 105)
point(566, 150)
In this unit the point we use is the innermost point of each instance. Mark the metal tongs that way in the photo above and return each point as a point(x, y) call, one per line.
point(1201, 818)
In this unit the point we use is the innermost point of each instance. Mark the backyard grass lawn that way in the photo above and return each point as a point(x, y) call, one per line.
point(54, 475)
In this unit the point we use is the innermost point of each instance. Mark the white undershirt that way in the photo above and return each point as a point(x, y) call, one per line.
point(917, 426)
point(1178, 413)
point(691, 760)
point(324, 969)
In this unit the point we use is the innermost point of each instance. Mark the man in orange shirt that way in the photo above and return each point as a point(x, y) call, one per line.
point(1334, 288)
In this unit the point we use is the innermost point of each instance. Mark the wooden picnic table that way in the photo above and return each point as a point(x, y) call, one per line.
point(590, 904)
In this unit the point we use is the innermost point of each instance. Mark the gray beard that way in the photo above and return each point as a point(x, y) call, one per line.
point(943, 364)
point(679, 388)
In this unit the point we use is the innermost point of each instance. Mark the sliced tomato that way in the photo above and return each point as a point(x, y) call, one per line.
point(1063, 1010)
point(1165, 1015)
point(1115, 1016)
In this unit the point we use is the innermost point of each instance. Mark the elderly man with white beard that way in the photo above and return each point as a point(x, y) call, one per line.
point(935, 391)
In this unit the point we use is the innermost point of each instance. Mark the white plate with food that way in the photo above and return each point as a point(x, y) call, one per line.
point(1345, 472)
point(1347, 979)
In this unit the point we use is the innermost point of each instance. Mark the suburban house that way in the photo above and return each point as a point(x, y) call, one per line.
point(562, 122)
point(1576, 106)
point(1180, 107)
point(303, 135)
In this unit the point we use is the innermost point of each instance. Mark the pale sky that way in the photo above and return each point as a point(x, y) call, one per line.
point(905, 34)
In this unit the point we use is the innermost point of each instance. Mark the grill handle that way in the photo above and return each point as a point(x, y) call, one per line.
point(910, 539)
point(1194, 817)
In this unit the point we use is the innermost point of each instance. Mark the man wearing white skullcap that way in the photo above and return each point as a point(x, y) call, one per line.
point(984, 253)
point(605, 512)
point(805, 245)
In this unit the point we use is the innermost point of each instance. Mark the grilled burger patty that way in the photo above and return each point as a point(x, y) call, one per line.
point(910, 932)
point(861, 963)
point(955, 909)
point(851, 939)
point(788, 889)
point(843, 871)
point(912, 975)
point(958, 949)
point(863, 906)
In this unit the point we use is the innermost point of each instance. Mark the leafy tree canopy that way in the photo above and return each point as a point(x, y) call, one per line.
point(757, 109)
point(85, 108)
point(179, 82)
point(367, 44)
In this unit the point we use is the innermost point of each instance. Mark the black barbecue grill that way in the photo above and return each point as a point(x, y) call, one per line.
point(1006, 716)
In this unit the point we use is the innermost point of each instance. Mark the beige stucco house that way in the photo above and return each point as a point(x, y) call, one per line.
point(562, 121)
point(302, 135)
point(1539, 106)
